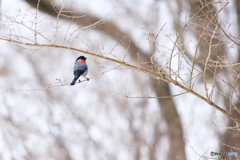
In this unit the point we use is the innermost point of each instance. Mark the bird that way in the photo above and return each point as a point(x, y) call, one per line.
point(80, 69)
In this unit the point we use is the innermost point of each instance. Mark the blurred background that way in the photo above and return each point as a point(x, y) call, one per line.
point(42, 120)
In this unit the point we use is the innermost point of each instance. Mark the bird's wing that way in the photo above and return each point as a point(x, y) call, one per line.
point(78, 73)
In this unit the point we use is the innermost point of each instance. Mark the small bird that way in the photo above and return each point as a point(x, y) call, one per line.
point(80, 68)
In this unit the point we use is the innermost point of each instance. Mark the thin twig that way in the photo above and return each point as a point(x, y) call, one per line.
point(126, 96)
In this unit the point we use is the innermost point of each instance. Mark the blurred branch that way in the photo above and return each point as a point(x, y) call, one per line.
point(106, 27)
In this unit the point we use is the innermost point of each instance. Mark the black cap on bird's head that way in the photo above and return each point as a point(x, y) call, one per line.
point(81, 57)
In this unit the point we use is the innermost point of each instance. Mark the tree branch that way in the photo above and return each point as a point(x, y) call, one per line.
point(163, 76)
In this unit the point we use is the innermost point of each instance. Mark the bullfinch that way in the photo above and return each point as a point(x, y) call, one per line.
point(80, 68)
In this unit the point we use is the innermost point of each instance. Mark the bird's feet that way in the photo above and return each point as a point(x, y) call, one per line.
point(79, 81)
point(87, 79)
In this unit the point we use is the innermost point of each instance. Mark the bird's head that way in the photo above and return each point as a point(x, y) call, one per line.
point(81, 59)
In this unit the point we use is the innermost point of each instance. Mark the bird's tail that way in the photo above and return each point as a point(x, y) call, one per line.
point(73, 81)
